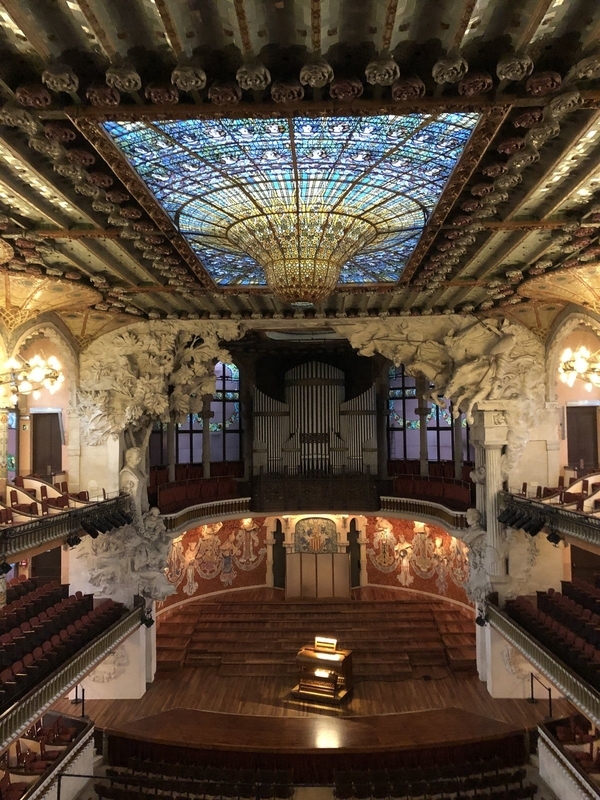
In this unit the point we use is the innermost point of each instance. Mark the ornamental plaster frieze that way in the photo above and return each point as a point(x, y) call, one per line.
point(131, 378)
point(469, 362)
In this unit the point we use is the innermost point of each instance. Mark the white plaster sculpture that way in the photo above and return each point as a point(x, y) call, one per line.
point(468, 362)
point(478, 584)
point(132, 480)
point(149, 372)
point(131, 560)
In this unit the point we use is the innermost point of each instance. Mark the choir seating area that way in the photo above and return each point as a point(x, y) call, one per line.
point(41, 628)
point(495, 778)
point(190, 487)
point(38, 752)
point(262, 638)
point(567, 623)
point(455, 494)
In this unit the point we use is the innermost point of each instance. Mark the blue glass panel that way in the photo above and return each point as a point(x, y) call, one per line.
point(209, 174)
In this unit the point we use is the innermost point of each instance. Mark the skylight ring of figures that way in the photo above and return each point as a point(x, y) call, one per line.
point(387, 170)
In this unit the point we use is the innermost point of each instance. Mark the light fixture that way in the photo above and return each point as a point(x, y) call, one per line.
point(21, 377)
point(554, 538)
point(147, 620)
point(5, 567)
point(581, 365)
point(481, 620)
point(73, 540)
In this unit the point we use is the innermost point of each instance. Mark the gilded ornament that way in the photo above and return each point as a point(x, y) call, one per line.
point(411, 88)
point(287, 91)
point(451, 69)
point(253, 77)
point(316, 74)
point(475, 83)
point(188, 78)
point(514, 68)
point(123, 78)
point(543, 83)
point(224, 93)
point(60, 78)
point(345, 89)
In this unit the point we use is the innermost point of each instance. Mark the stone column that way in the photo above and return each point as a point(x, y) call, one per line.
point(171, 433)
point(207, 415)
point(73, 449)
point(458, 447)
point(493, 485)
point(423, 412)
point(480, 487)
point(3, 450)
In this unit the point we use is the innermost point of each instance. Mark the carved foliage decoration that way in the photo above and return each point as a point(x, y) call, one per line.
point(134, 377)
point(467, 361)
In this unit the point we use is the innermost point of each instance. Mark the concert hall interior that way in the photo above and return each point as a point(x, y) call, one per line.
point(299, 399)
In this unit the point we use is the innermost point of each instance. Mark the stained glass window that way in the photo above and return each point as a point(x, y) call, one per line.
point(404, 423)
point(225, 426)
point(216, 178)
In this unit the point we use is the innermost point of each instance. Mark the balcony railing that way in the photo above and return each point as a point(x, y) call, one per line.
point(549, 749)
point(25, 711)
point(63, 767)
point(574, 688)
point(218, 509)
point(424, 509)
point(17, 539)
point(571, 523)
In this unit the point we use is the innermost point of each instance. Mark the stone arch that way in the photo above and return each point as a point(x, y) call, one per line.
point(571, 319)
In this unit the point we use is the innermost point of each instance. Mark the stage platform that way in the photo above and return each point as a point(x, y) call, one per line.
point(313, 747)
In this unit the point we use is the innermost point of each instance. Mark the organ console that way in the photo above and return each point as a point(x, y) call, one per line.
point(325, 673)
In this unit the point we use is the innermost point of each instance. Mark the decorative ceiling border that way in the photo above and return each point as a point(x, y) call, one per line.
point(480, 139)
point(88, 122)
point(126, 174)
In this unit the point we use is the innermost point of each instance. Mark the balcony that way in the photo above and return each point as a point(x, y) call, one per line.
point(568, 682)
point(49, 530)
point(570, 523)
point(16, 719)
point(560, 770)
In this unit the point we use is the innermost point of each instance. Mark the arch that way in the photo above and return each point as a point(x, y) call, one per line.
point(572, 318)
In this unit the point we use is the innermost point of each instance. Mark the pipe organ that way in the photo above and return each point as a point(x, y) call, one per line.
point(315, 430)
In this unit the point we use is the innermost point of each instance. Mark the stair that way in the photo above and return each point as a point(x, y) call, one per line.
point(390, 639)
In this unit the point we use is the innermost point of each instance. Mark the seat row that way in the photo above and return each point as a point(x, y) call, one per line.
point(28, 605)
point(24, 673)
point(175, 496)
point(477, 767)
point(142, 768)
point(182, 790)
point(469, 783)
point(564, 643)
point(584, 593)
point(573, 615)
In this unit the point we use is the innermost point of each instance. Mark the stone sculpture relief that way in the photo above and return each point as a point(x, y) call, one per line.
point(474, 537)
point(113, 666)
point(132, 481)
point(151, 371)
point(131, 560)
point(468, 362)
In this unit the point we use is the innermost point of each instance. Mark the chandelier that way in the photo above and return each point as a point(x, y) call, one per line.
point(580, 365)
point(302, 251)
point(20, 377)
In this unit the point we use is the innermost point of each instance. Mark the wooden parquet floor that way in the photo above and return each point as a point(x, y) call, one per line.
point(402, 637)
point(206, 688)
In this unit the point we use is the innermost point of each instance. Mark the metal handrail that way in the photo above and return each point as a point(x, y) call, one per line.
point(15, 720)
point(574, 688)
point(571, 523)
point(19, 538)
point(41, 788)
point(425, 508)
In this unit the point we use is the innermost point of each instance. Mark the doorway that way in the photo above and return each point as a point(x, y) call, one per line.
point(354, 550)
point(278, 557)
point(47, 440)
point(582, 437)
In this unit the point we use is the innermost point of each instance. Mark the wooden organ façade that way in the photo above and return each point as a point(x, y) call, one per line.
point(315, 429)
point(325, 673)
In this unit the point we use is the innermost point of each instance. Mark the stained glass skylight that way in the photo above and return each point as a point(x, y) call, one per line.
point(247, 194)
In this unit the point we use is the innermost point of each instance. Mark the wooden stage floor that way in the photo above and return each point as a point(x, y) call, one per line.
point(459, 701)
point(202, 689)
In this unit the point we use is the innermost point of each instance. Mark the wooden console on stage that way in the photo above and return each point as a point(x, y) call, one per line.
point(325, 673)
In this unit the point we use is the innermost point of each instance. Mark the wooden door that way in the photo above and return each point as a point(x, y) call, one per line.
point(354, 550)
point(278, 558)
point(46, 457)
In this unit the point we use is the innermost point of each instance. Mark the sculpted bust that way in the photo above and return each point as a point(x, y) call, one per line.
point(132, 480)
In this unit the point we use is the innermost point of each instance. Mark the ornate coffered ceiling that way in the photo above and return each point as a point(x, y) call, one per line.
point(516, 218)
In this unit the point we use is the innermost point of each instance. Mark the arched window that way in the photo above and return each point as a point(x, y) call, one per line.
point(225, 426)
point(404, 423)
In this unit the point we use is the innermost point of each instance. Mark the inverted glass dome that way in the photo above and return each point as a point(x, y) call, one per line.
point(301, 204)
